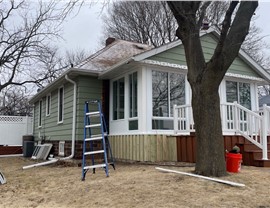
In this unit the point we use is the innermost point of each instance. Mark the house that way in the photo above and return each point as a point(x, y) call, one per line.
point(264, 100)
point(147, 101)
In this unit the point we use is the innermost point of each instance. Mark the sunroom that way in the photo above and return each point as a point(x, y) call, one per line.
point(143, 99)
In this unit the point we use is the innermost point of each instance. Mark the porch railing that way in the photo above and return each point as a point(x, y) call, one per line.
point(235, 119)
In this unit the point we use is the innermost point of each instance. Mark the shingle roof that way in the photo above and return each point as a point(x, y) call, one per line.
point(112, 54)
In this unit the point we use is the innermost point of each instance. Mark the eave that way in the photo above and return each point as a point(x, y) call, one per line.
point(72, 73)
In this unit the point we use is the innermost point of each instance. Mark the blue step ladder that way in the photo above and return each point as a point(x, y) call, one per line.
point(95, 130)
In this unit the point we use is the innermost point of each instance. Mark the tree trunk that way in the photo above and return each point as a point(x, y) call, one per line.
point(206, 113)
point(205, 77)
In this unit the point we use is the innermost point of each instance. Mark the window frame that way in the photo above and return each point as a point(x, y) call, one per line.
point(133, 101)
point(168, 118)
point(60, 106)
point(48, 104)
point(40, 104)
point(239, 93)
point(117, 101)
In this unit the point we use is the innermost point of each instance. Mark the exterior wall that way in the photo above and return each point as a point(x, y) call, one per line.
point(88, 88)
point(144, 147)
point(158, 148)
point(50, 129)
point(186, 146)
point(177, 56)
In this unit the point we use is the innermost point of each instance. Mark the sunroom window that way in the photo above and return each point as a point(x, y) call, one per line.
point(133, 97)
point(168, 89)
point(119, 99)
point(240, 92)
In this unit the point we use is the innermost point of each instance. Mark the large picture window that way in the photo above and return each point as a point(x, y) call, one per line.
point(133, 97)
point(240, 92)
point(168, 89)
point(60, 104)
point(119, 99)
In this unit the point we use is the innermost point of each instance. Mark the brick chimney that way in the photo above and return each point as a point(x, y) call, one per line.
point(109, 41)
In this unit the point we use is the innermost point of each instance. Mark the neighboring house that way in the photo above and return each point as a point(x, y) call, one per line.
point(264, 100)
point(140, 87)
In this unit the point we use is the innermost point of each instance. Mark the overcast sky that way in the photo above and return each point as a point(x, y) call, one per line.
point(84, 31)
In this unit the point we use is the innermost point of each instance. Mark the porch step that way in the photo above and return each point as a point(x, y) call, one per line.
point(252, 155)
point(250, 147)
point(262, 163)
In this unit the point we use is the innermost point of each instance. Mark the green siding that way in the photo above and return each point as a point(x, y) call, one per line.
point(87, 88)
point(176, 55)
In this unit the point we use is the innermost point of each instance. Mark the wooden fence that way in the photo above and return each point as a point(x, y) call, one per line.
point(144, 147)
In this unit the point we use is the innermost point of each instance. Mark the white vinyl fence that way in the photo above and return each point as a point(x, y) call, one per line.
point(12, 128)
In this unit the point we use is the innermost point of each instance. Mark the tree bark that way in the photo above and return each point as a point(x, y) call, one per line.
point(205, 77)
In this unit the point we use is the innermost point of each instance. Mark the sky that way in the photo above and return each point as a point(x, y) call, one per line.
point(84, 30)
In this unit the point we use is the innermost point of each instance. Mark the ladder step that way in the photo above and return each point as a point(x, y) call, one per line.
point(96, 113)
point(92, 125)
point(94, 152)
point(94, 166)
point(93, 139)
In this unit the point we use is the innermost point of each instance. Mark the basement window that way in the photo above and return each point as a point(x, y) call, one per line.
point(61, 151)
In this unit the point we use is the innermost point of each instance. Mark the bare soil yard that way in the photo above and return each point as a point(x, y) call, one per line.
point(130, 185)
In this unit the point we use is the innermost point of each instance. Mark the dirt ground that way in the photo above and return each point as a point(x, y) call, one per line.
point(130, 185)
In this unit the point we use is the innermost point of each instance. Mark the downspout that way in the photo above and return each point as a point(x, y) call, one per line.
point(73, 118)
point(73, 130)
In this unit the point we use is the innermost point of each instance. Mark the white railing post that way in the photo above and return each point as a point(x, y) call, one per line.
point(264, 132)
point(236, 117)
point(175, 119)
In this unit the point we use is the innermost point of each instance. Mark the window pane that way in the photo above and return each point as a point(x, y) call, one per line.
point(40, 113)
point(177, 90)
point(244, 95)
point(118, 99)
point(160, 93)
point(133, 95)
point(133, 125)
point(162, 124)
point(48, 104)
point(60, 107)
point(121, 98)
point(231, 91)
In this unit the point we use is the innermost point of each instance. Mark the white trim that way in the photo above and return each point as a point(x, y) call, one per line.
point(229, 74)
point(48, 107)
point(166, 64)
point(58, 121)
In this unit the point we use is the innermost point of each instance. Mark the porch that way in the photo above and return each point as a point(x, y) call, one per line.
point(252, 127)
point(242, 127)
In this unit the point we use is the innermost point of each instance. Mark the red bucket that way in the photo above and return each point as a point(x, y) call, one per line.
point(233, 162)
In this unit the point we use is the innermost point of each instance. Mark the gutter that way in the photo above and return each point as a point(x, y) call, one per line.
point(73, 130)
